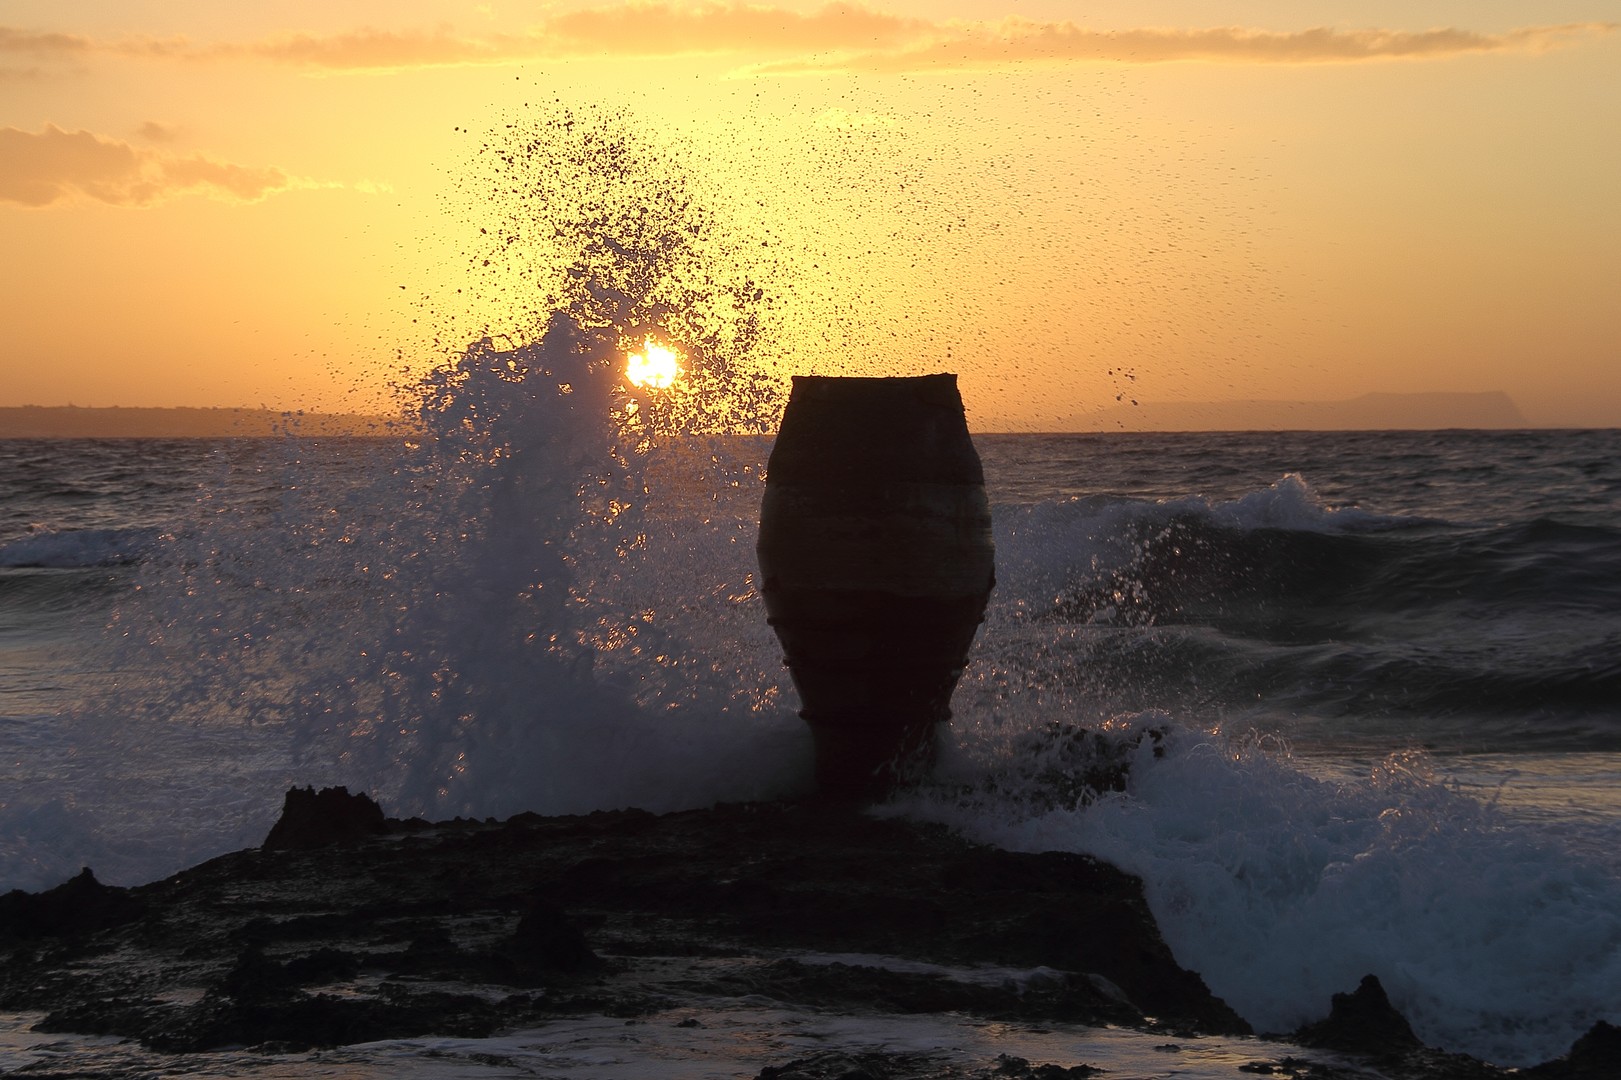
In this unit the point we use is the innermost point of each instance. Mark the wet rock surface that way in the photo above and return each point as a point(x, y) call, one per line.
point(1594, 1056)
point(377, 929)
point(1362, 1022)
point(315, 819)
point(381, 929)
point(834, 1065)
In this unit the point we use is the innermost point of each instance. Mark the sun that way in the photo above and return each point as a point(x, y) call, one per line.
point(654, 367)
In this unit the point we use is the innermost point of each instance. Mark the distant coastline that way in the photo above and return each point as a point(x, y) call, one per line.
point(80, 422)
point(1370, 412)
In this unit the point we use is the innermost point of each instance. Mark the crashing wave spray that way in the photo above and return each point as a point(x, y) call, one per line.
point(509, 615)
point(551, 453)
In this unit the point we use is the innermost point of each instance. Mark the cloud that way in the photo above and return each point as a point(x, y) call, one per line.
point(836, 37)
point(380, 50)
point(153, 131)
point(54, 166)
point(14, 42)
point(654, 29)
point(619, 30)
point(844, 37)
point(956, 46)
point(35, 49)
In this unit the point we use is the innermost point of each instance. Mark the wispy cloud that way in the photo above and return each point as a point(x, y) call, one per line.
point(774, 40)
point(1019, 41)
point(384, 50)
point(154, 131)
point(42, 46)
point(53, 166)
point(620, 30)
point(649, 29)
point(29, 55)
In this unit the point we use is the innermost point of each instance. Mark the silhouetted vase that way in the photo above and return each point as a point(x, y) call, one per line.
point(876, 562)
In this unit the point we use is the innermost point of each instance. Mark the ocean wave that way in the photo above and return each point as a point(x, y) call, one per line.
point(1279, 561)
point(1282, 889)
point(1112, 558)
point(1290, 614)
point(80, 548)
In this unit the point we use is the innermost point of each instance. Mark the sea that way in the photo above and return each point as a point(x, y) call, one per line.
point(1367, 684)
point(1362, 690)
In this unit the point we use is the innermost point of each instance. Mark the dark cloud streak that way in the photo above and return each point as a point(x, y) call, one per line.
point(52, 166)
point(1018, 41)
point(833, 38)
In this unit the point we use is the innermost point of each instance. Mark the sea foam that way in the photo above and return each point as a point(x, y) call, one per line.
point(1282, 889)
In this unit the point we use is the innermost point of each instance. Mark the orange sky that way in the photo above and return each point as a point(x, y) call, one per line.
point(219, 204)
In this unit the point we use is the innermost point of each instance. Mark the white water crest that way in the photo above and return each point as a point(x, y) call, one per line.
point(1283, 888)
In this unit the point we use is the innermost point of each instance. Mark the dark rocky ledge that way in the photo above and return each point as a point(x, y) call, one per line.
point(349, 927)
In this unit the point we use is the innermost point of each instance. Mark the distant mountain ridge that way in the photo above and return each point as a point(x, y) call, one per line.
point(80, 422)
point(1370, 412)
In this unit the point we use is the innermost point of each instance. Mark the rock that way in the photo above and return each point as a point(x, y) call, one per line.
point(1594, 1056)
point(546, 939)
point(1017, 1068)
point(383, 929)
point(902, 1065)
point(1363, 1022)
point(835, 1065)
point(79, 906)
point(347, 926)
point(314, 819)
point(257, 978)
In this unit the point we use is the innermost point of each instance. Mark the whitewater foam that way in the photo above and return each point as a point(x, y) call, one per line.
point(1282, 889)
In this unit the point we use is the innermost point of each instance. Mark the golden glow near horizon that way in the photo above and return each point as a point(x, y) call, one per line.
point(655, 367)
point(211, 204)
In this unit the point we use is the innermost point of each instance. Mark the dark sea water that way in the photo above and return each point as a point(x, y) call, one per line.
point(1383, 671)
point(1455, 591)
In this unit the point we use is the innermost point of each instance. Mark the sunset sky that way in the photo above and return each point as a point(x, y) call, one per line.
point(207, 203)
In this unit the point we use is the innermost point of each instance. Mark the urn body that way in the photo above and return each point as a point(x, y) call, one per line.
point(876, 564)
